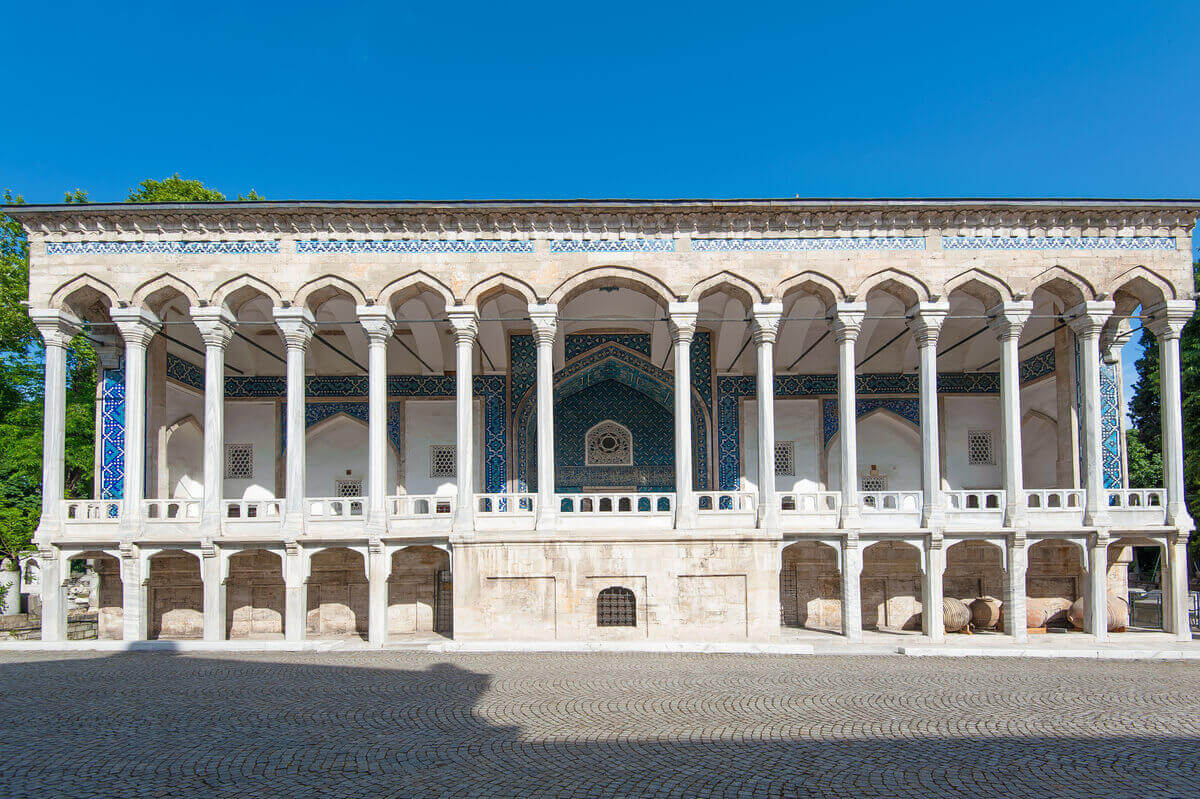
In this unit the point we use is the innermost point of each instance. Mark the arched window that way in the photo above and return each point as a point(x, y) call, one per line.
point(608, 444)
point(616, 607)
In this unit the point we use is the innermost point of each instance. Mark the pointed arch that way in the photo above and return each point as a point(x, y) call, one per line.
point(613, 276)
point(235, 291)
point(735, 285)
point(404, 288)
point(494, 284)
point(182, 422)
point(983, 286)
point(321, 288)
point(157, 290)
point(63, 296)
point(828, 290)
point(908, 288)
point(1068, 286)
point(1146, 285)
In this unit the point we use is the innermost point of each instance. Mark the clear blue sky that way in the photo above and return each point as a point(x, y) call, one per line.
point(544, 100)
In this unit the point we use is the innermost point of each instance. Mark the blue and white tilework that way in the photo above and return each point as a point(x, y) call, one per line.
point(413, 246)
point(1110, 426)
point(907, 408)
point(803, 244)
point(162, 248)
point(112, 433)
point(613, 245)
point(577, 344)
point(1058, 243)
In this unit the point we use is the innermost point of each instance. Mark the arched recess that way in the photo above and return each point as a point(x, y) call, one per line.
point(734, 285)
point(1068, 287)
point(83, 295)
point(337, 594)
point(1056, 577)
point(318, 290)
point(340, 343)
point(182, 457)
point(493, 284)
point(402, 289)
point(810, 586)
point(1137, 564)
point(974, 569)
point(254, 598)
point(726, 303)
point(886, 441)
point(420, 592)
point(891, 586)
point(612, 276)
point(1039, 450)
point(337, 453)
point(1135, 288)
point(909, 289)
point(885, 344)
point(826, 288)
point(236, 291)
point(175, 595)
point(157, 291)
point(804, 343)
point(109, 592)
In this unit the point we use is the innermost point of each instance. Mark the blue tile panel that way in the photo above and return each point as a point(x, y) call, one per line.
point(413, 246)
point(163, 248)
point(1110, 427)
point(577, 344)
point(907, 408)
point(613, 245)
point(1058, 243)
point(112, 433)
point(491, 388)
point(801, 244)
point(731, 389)
point(317, 412)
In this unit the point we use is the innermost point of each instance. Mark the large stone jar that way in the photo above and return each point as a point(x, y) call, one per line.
point(1118, 613)
point(1042, 610)
point(955, 614)
point(985, 613)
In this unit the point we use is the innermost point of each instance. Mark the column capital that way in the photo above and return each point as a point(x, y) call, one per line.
point(137, 325)
point(377, 321)
point(1166, 320)
point(464, 321)
point(925, 321)
point(216, 324)
point(1087, 318)
point(683, 320)
point(296, 324)
point(544, 319)
point(56, 326)
point(764, 321)
point(846, 320)
point(1008, 318)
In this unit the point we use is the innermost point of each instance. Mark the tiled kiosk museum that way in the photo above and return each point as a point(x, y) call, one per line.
point(552, 420)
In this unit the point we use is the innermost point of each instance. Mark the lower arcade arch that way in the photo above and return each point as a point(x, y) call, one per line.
point(891, 586)
point(255, 595)
point(810, 587)
point(420, 593)
point(175, 596)
point(337, 595)
point(109, 593)
point(1056, 576)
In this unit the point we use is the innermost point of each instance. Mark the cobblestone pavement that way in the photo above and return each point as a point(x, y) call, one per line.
point(400, 724)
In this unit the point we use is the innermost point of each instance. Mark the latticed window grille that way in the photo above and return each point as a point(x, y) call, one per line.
point(785, 458)
point(609, 444)
point(616, 607)
point(442, 461)
point(874, 482)
point(347, 488)
point(239, 462)
point(980, 449)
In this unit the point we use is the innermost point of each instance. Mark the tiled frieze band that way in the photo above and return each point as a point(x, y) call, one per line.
point(803, 244)
point(260, 247)
point(112, 433)
point(413, 246)
point(612, 245)
point(1058, 243)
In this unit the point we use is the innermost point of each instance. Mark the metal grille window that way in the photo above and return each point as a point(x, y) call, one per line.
point(785, 458)
point(239, 462)
point(874, 482)
point(347, 488)
point(442, 461)
point(608, 444)
point(616, 607)
point(980, 450)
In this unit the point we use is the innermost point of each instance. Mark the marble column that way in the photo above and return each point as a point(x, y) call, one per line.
point(1015, 623)
point(932, 619)
point(57, 329)
point(134, 610)
point(216, 325)
point(544, 319)
point(1006, 320)
point(54, 611)
point(1166, 323)
point(296, 326)
point(464, 322)
point(852, 564)
point(378, 571)
point(1096, 620)
point(379, 324)
point(1176, 600)
point(925, 321)
point(683, 327)
point(764, 326)
point(138, 328)
point(1087, 321)
point(295, 600)
point(846, 322)
point(213, 577)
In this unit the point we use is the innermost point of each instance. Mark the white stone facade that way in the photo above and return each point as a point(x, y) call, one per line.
point(926, 380)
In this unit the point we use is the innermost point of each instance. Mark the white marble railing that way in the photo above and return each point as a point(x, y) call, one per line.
point(175, 510)
point(890, 501)
point(615, 503)
point(810, 502)
point(91, 510)
point(505, 504)
point(336, 508)
point(420, 506)
point(253, 510)
point(1137, 498)
point(1054, 499)
point(980, 500)
point(726, 501)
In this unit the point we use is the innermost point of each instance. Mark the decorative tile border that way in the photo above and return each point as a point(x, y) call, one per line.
point(413, 246)
point(1110, 426)
point(906, 408)
point(162, 248)
point(112, 433)
point(802, 244)
point(612, 245)
point(1058, 243)
point(576, 344)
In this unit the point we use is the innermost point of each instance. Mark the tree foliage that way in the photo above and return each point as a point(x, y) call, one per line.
point(174, 190)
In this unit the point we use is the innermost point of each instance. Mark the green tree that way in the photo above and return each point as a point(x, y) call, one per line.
point(175, 190)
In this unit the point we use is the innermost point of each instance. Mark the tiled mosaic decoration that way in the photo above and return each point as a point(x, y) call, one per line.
point(162, 248)
point(413, 246)
point(1058, 243)
point(613, 245)
point(800, 244)
point(112, 434)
